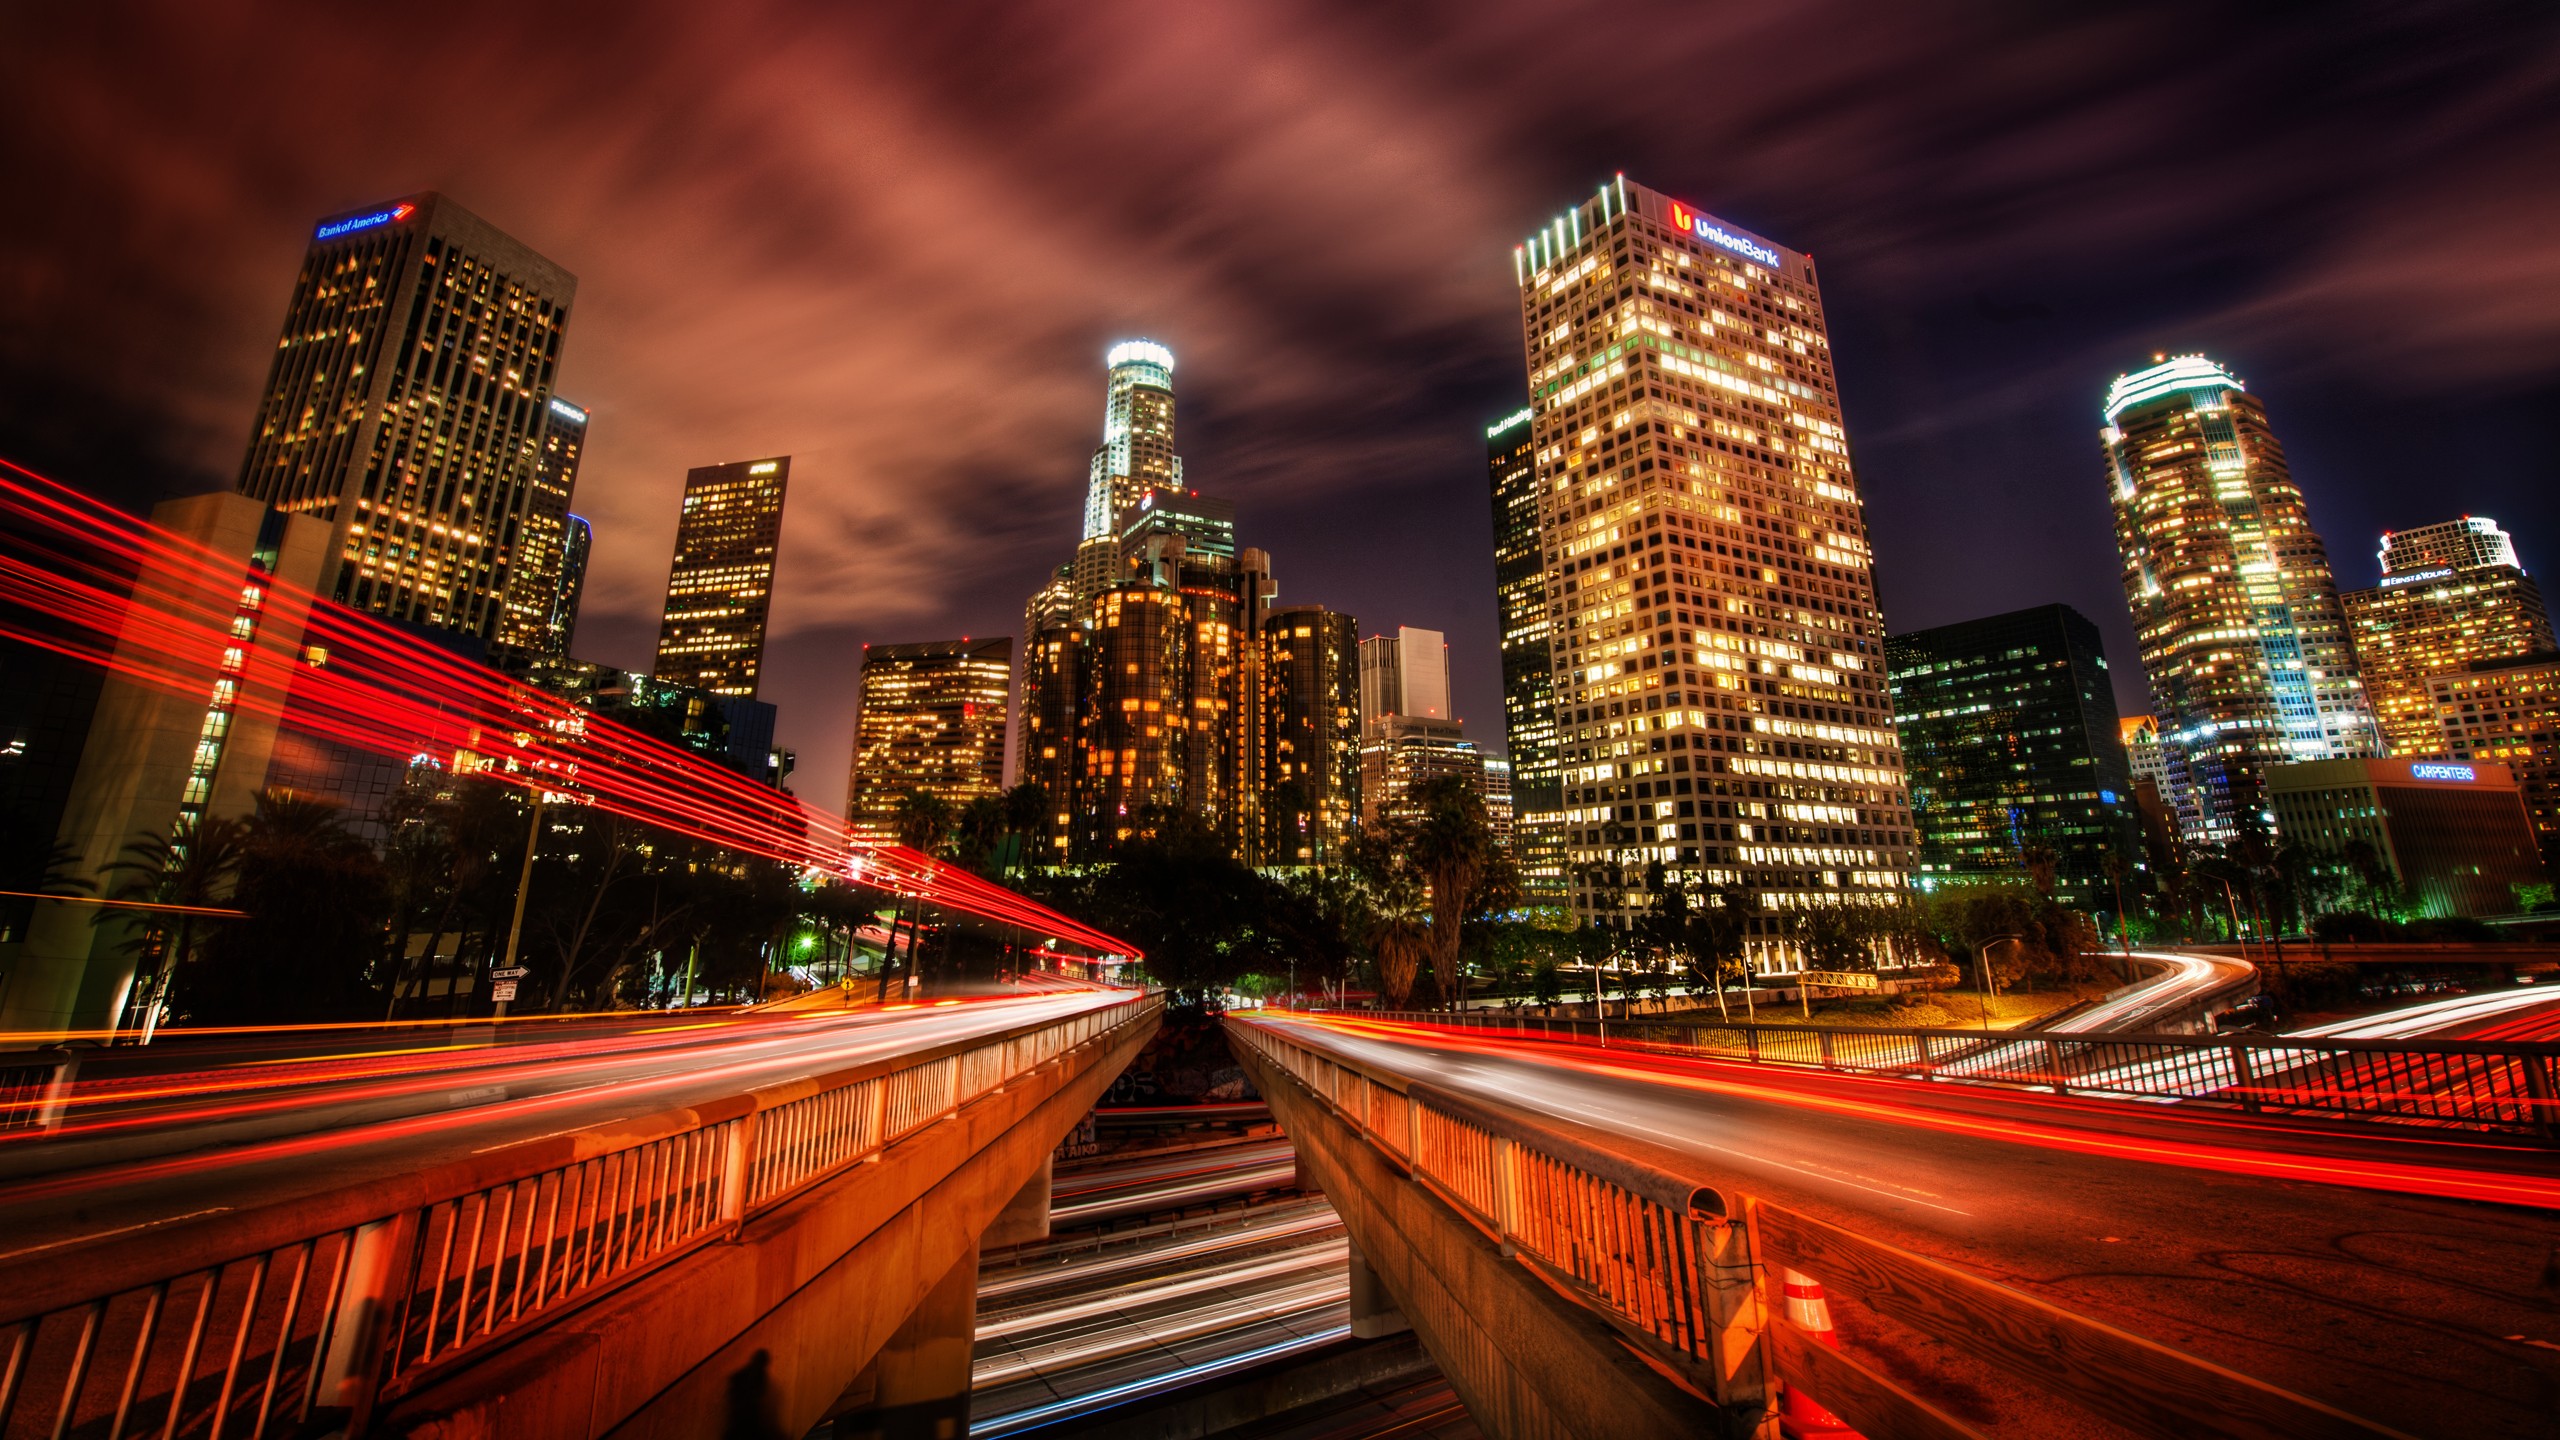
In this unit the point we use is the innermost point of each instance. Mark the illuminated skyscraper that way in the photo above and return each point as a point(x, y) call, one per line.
point(1716, 652)
point(2012, 743)
point(1400, 754)
point(1135, 457)
point(541, 605)
point(1049, 731)
point(2451, 594)
point(721, 587)
point(1311, 734)
point(2508, 712)
point(931, 718)
point(2242, 635)
point(577, 546)
point(406, 407)
point(1406, 674)
point(1528, 689)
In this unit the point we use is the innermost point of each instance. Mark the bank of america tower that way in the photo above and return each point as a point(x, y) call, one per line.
point(1719, 679)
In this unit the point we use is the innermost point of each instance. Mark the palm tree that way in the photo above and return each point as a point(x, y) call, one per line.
point(1451, 842)
point(981, 828)
point(2044, 867)
point(924, 821)
point(194, 864)
point(319, 907)
point(1717, 934)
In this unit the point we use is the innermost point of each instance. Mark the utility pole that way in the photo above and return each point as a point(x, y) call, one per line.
point(524, 887)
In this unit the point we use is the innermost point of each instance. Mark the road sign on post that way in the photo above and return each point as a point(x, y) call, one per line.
point(503, 991)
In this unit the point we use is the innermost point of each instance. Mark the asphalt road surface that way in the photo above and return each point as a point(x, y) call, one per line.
point(251, 1130)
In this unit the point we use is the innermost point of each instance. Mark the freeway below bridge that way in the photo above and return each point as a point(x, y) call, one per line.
point(2403, 1276)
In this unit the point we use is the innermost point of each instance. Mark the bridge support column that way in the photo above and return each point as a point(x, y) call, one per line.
point(1026, 1216)
point(917, 1387)
point(1374, 1314)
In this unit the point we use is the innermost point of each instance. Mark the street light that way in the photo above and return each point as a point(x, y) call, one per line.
point(1982, 974)
point(2232, 898)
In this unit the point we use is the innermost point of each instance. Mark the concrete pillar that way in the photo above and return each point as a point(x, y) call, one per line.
point(917, 1387)
point(73, 973)
point(1373, 1311)
point(1025, 1217)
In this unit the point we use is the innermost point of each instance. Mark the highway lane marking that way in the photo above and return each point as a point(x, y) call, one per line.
point(108, 1234)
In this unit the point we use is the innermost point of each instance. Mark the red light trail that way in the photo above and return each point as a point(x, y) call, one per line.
point(2089, 1127)
point(84, 580)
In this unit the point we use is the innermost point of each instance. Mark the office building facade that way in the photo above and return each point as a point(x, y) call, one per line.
point(2453, 834)
point(1528, 688)
point(542, 586)
point(1145, 699)
point(931, 717)
point(2242, 635)
point(1406, 674)
point(1716, 652)
point(2012, 744)
point(1401, 754)
point(1048, 730)
point(2450, 594)
point(406, 407)
point(720, 588)
point(1310, 735)
point(2507, 712)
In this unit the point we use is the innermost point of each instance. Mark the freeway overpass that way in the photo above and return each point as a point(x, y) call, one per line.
point(1585, 1237)
point(671, 1228)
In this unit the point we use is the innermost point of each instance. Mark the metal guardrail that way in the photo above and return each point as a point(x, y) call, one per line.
point(2505, 1086)
point(317, 1311)
point(34, 1087)
point(1682, 1270)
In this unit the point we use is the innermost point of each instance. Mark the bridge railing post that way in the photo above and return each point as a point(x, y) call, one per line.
point(1928, 1064)
point(2243, 1083)
point(2539, 1099)
point(737, 1167)
point(365, 1317)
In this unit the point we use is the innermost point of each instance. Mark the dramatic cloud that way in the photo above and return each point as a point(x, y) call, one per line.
point(893, 242)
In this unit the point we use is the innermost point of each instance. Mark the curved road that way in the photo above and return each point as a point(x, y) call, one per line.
point(2399, 1278)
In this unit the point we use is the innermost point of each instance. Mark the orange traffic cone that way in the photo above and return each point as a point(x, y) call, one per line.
point(1799, 1418)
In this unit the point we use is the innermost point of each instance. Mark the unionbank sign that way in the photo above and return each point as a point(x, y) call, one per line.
point(1684, 218)
point(366, 221)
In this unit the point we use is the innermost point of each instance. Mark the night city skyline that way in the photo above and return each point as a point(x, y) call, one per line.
point(872, 251)
point(1496, 721)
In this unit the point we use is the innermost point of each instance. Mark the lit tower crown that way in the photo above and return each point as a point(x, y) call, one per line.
point(2454, 595)
point(2218, 548)
point(1136, 454)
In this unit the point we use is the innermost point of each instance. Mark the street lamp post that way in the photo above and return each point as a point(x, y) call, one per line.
point(2232, 899)
point(1982, 975)
point(524, 886)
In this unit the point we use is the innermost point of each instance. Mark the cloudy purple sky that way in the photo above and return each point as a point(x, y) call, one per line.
point(896, 248)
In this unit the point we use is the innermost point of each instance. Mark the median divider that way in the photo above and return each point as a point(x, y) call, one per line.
point(317, 1310)
point(1684, 1269)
